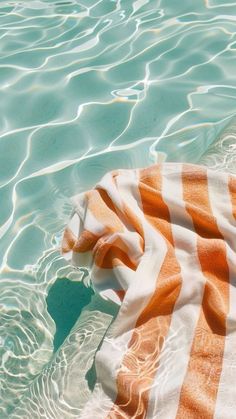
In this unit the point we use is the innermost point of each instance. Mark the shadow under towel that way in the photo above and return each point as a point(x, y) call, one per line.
point(161, 241)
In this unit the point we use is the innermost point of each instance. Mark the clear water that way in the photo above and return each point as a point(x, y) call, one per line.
point(88, 86)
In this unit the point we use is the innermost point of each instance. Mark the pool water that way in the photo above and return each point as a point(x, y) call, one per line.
point(88, 86)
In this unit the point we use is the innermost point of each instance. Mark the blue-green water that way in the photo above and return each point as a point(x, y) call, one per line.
point(88, 86)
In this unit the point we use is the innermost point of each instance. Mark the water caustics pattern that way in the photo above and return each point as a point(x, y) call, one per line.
point(89, 86)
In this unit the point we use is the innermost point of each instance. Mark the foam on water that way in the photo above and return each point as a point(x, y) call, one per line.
point(88, 86)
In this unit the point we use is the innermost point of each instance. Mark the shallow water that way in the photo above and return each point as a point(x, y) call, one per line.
point(89, 86)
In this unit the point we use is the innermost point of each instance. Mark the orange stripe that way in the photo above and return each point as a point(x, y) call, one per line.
point(105, 197)
point(232, 190)
point(68, 240)
point(109, 255)
point(142, 359)
point(84, 243)
point(99, 205)
point(121, 294)
point(199, 390)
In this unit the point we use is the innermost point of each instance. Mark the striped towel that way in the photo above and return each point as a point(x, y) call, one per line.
point(162, 239)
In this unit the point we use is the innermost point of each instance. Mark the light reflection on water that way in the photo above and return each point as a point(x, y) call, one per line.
point(86, 87)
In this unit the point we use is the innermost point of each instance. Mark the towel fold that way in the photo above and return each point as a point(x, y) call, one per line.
point(162, 240)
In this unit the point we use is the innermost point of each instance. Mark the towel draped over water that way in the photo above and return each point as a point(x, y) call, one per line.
point(161, 240)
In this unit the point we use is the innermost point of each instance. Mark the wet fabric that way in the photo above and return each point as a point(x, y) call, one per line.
point(161, 242)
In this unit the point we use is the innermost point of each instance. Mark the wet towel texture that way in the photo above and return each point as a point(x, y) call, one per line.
point(163, 239)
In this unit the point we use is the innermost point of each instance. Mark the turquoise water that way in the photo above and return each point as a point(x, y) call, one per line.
point(89, 86)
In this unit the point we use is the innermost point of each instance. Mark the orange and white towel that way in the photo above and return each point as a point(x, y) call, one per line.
point(163, 239)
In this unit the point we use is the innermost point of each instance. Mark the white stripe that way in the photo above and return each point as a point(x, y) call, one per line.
point(108, 184)
point(174, 358)
point(109, 358)
point(91, 224)
point(117, 278)
point(222, 210)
